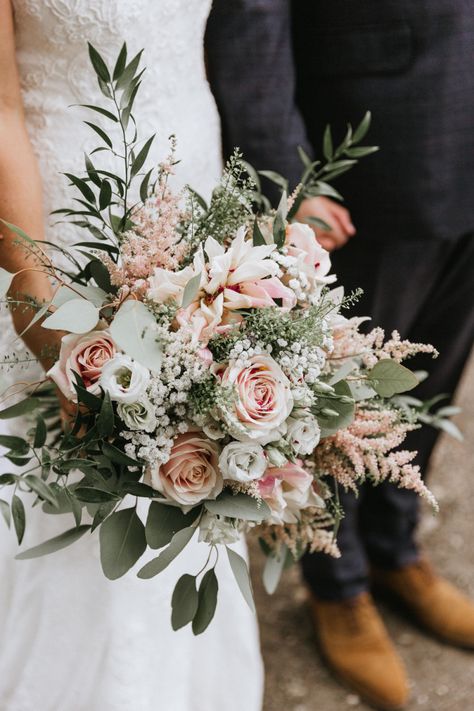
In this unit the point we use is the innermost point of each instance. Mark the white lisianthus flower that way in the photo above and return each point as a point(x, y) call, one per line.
point(212, 430)
point(242, 462)
point(217, 530)
point(303, 433)
point(124, 379)
point(138, 415)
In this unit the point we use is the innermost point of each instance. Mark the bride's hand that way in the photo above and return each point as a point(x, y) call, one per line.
point(334, 215)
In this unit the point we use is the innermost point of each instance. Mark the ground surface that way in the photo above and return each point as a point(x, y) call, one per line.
point(442, 678)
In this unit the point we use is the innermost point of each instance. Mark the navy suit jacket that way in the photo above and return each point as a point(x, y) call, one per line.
point(411, 62)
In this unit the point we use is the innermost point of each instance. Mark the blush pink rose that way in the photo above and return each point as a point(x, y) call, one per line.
point(264, 399)
point(301, 242)
point(192, 472)
point(202, 319)
point(85, 355)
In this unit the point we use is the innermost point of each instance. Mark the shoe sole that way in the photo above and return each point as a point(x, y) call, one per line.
point(384, 594)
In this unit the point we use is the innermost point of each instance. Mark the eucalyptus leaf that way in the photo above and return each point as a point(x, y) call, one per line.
point(5, 511)
point(39, 487)
point(122, 542)
point(93, 495)
point(343, 410)
point(242, 576)
point(133, 330)
point(238, 506)
point(54, 544)
point(164, 521)
point(93, 294)
point(19, 517)
point(75, 316)
point(273, 569)
point(23, 407)
point(157, 565)
point(41, 432)
point(207, 602)
point(18, 231)
point(18, 444)
point(388, 378)
point(6, 279)
point(184, 602)
point(191, 290)
point(105, 195)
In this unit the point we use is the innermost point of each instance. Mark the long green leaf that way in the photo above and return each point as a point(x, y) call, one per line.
point(207, 602)
point(164, 521)
point(157, 565)
point(98, 63)
point(141, 157)
point(122, 542)
point(19, 517)
point(242, 576)
point(184, 602)
point(54, 544)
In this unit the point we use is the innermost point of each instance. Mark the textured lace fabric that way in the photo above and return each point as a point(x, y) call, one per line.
point(70, 639)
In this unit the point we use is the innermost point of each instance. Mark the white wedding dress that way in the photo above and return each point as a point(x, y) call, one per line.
point(70, 640)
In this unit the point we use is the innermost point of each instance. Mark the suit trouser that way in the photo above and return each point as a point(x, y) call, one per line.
point(425, 290)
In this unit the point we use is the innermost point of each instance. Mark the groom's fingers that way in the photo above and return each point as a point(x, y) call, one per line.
point(343, 217)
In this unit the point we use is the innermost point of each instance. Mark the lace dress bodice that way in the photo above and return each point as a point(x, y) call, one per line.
point(70, 638)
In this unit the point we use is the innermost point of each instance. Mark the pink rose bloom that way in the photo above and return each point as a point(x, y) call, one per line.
point(86, 355)
point(192, 472)
point(264, 399)
point(288, 490)
point(302, 243)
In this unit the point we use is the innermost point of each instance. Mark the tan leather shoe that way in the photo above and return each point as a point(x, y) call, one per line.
point(355, 644)
point(436, 603)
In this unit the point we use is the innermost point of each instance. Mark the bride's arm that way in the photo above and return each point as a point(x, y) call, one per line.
point(20, 195)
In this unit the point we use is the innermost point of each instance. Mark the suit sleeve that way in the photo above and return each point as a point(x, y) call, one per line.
point(251, 73)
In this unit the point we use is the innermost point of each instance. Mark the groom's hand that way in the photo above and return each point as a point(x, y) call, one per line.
point(334, 215)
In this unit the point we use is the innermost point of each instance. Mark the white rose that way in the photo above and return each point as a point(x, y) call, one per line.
point(242, 462)
point(124, 379)
point(138, 415)
point(303, 432)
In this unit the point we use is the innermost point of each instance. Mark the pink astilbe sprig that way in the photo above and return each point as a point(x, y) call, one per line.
point(155, 240)
point(371, 347)
point(368, 449)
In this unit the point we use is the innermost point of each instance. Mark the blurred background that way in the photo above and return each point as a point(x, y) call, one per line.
point(297, 680)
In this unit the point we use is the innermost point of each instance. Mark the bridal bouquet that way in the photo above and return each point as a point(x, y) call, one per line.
point(208, 367)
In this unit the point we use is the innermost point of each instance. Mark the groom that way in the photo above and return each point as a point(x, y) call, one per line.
point(412, 63)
